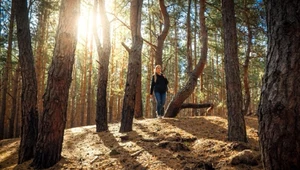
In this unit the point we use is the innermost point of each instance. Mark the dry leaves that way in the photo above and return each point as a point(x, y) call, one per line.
point(180, 143)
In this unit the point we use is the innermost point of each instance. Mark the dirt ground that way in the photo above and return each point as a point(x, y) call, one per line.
point(177, 143)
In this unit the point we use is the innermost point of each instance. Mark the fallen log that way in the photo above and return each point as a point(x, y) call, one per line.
point(174, 109)
point(197, 106)
point(209, 107)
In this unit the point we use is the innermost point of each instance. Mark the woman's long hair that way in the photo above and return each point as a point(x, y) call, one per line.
point(155, 77)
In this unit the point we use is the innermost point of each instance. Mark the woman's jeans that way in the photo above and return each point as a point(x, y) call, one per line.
point(160, 102)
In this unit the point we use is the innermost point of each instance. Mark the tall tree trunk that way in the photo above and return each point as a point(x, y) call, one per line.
point(73, 97)
point(175, 105)
point(218, 74)
point(113, 95)
point(138, 108)
point(94, 105)
point(40, 53)
point(247, 98)
point(161, 38)
point(7, 69)
point(223, 88)
point(152, 110)
point(85, 69)
point(29, 84)
point(189, 39)
point(148, 103)
point(89, 91)
point(278, 112)
point(149, 66)
point(121, 86)
point(112, 80)
point(134, 62)
point(104, 54)
point(176, 82)
point(83, 87)
point(53, 120)
point(13, 113)
point(195, 96)
point(236, 122)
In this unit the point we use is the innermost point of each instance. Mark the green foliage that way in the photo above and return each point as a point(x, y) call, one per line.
point(213, 85)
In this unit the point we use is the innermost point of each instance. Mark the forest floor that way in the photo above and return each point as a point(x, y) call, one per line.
point(169, 143)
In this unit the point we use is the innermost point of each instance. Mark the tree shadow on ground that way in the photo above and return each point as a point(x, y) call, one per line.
point(72, 139)
point(200, 127)
point(8, 150)
point(63, 164)
point(174, 159)
point(73, 136)
point(163, 157)
point(215, 130)
point(124, 158)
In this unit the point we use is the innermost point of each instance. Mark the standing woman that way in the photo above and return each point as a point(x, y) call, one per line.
point(159, 85)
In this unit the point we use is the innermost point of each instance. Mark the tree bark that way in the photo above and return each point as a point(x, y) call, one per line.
point(148, 104)
point(138, 110)
point(175, 105)
point(73, 98)
point(29, 84)
point(53, 120)
point(278, 112)
point(152, 101)
point(161, 38)
point(195, 44)
point(133, 63)
point(236, 122)
point(246, 64)
point(189, 39)
point(40, 53)
point(104, 54)
point(8, 67)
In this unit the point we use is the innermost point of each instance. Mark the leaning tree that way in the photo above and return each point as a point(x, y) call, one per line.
point(133, 63)
point(53, 119)
point(177, 102)
point(162, 36)
point(29, 84)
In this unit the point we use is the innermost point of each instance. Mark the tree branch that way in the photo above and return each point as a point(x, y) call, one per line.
point(152, 45)
point(210, 4)
point(127, 26)
point(126, 47)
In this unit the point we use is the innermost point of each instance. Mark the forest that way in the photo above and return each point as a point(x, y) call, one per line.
point(85, 67)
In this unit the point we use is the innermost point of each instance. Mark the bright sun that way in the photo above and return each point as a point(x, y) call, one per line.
point(83, 27)
point(86, 22)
